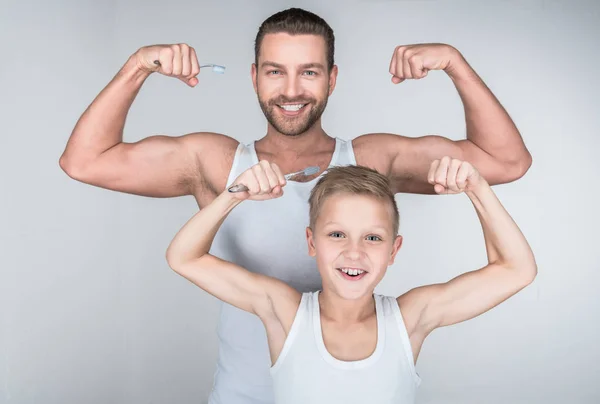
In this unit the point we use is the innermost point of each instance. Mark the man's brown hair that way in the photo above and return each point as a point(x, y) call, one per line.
point(296, 21)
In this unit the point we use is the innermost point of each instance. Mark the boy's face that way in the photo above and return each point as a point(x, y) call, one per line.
point(292, 81)
point(353, 234)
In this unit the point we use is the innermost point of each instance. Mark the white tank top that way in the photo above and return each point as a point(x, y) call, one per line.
point(306, 372)
point(266, 237)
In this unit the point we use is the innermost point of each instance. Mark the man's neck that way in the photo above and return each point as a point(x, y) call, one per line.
point(307, 143)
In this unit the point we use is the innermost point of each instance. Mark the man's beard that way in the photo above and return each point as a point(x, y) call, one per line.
point(292, 126)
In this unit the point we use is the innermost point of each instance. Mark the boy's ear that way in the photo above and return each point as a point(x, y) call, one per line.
point(395, 249)
point(311, 242)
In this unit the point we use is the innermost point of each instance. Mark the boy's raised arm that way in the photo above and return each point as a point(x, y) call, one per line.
point(511, 263)
point(188, 254)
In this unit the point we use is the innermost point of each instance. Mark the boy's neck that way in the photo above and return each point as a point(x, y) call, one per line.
point(339, 310)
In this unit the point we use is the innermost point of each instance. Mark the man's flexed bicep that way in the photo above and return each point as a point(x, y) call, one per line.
point(157, 166)
point(407, 160)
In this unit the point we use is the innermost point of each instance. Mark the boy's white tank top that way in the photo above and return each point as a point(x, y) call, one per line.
point(266, 237)
point(306, 372)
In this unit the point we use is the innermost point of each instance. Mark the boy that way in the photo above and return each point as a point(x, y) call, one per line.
point(345, 344)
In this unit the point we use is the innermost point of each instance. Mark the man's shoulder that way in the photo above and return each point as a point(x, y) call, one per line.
point(376, 150)
point(213, 155)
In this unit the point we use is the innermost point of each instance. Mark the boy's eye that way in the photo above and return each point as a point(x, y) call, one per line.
point(373, 238)
point(336, 234)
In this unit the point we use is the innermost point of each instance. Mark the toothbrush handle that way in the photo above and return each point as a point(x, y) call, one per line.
point(243, 188)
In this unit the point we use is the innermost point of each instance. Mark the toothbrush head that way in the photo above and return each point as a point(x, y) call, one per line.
point(218, 69)
point(215, 68)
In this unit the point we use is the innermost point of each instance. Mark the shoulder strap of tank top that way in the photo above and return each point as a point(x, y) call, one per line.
point(242, 160)
point(406, 346)
point(345, 155)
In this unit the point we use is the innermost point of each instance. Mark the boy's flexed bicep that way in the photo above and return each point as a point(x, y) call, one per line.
point(255, 293)
point(462, 298)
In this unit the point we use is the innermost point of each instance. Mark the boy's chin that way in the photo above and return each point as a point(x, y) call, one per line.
point(353, 292)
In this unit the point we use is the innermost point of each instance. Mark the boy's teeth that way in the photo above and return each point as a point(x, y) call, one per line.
point(351, 271)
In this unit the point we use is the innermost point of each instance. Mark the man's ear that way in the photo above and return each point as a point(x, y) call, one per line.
point(253, 72)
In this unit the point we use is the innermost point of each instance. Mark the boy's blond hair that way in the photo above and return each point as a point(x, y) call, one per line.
point(353, 180)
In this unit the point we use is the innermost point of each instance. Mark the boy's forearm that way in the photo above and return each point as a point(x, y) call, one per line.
point(507, 245)
point(196, 236)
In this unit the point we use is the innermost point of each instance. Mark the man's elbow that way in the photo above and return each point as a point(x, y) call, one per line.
point(517, 167)
point(71, 168)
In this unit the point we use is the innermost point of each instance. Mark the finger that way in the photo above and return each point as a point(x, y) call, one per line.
point(417, 67)
point(393, 61)
point(406, 68)
point(400, 73)
point(176, 60)
point(280, 177)
point(262, 179)
point(193, 80)
point(439, 189)
point(442, 171)
point(271, 176)
point(165, 58)
point(186, 66)
point(432, 170)
point(396, 66)
point(451, 177)
point(251, 181)
point(462, 175)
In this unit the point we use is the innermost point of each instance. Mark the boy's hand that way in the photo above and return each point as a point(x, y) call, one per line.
point(452, 176)
point(263, 180)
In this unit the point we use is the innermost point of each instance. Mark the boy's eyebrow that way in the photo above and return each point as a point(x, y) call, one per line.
point(313, 65)
point(376, 227)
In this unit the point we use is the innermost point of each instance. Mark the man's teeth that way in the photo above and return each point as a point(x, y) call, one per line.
point(292, 107)
point(351, 271)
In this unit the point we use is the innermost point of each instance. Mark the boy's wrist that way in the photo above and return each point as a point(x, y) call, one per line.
point(228, 200)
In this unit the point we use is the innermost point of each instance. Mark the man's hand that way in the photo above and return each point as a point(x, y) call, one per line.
point(178, 60)
point(415, 61)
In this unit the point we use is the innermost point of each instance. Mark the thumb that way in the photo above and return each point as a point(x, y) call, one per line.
point(397, 80)
point(192, 82)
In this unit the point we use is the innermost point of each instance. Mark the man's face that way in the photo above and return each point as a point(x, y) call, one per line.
point(292, 81)
point(353, 243)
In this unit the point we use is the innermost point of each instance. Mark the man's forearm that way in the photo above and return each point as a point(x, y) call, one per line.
point(489, 126)
point(100, 127)
point(196, 236)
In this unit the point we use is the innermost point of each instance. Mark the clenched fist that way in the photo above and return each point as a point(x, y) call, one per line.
point(452, 176)
point(415, 61)
point(178, 60)
point(263, 181)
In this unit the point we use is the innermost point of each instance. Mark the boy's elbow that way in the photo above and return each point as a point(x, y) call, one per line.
point(527, 275)
point(174, 262)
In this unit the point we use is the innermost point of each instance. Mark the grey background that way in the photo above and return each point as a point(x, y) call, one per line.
point(92, 314)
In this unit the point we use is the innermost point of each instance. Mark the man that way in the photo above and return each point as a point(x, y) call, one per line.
point(293, 75)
